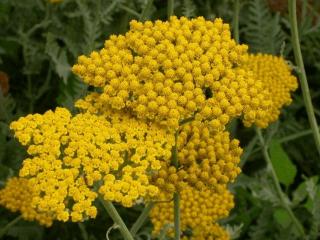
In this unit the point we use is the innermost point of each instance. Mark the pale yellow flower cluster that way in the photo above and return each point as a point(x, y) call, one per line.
point(162, 86)
point(275, 76)
point(207, 160)
point(199, 210)
point(171, 71)
point(17, 195)
point(73, 158)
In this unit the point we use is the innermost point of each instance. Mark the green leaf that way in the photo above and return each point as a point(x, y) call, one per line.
point(284, 168)
point(73, 90)
point(58, 57)
point(299, 194)
point(282, 217)
point(234, 230)
point(189, 8)
point(26, 232)
point(301, 191)
point(262, 30)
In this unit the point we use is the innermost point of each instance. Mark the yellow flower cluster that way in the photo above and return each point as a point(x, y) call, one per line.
point(199, 212)
point(72, 158)
point(17, 195)
point(275, 76)
point(171, 71)
point(206, 160)
point(214, 232)
point(183, 76)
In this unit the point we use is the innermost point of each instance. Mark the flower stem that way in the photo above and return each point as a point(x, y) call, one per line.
point(112, 211)
point(283, 200)
point(170, 8)
point(295, 136)
point(146, 10)
point(142, 218)
point(176, 203)
point(164, 230)
point(129, 10)
point(247, 151)
point(4, 230)
point(176, 196)
point(236, 20)
point(83, 231)
point(302, 73)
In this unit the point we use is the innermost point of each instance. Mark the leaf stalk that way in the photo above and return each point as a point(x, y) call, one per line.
point(302, 73)
point(282, 197)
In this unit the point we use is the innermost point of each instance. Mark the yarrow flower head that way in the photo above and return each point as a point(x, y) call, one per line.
point(17, 195)
point(199, 212)
point(171, 71)
point(165, 91)
point(205, 160)
point(72, 159)
point(275, 75)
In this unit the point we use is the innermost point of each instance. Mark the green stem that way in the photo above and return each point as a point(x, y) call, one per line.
point(236, 20)
point(176, 196)
point(176, 203)
point(83, 231)
point(170, 9)
point(296, 135)
point(112, 211)
point(129, 10)
point(164, 231)
point(4, 230)
point(175, 161)
point(302, 73)
point(248, 150)
point(142, 218)
point(280, 193)
point(285, 139)
point(146, 10)
point(317, 112)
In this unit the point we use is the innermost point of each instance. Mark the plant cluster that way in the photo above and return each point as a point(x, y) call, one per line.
point(173, 84)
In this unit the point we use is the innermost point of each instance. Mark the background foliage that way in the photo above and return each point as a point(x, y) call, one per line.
point(39, 41)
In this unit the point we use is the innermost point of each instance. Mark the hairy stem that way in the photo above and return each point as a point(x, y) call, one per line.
point(170, 8)
point(129, 10)
point(236, 20)
point(176, 202)
point(164, 231)
point(175, 162)
point(176, 196)
point(302, 73)
point(4, 230)
point(247, 151)
point(83, 231)
point(142, 218)
point(275, 179)
point(112, 211)
point(295, 136)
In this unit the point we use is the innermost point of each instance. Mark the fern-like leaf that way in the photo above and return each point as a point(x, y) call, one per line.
point(262, 30)
point(189, 8)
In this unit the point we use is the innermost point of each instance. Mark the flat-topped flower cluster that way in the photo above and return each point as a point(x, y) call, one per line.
point(164, 86)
